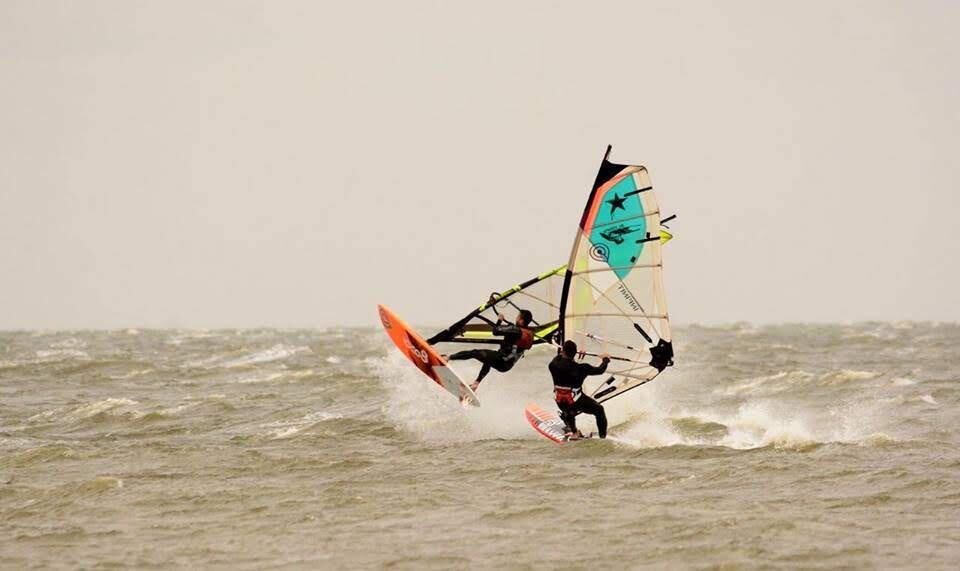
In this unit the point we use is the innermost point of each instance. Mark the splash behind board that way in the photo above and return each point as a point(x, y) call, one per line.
point(421, 354)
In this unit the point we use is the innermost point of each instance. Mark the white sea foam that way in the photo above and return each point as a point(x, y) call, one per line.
point(175, 410)
point(190, 335)
point(846, 375)
point(260, 378)
point(131, 374)
point(287, 428)
point(61, 354)
point(275, 353)
point(782, 381)
point(68, 343)
point(758, 422)
point(80, 412)
point(767, 384)
point(753, 425)
point(417, 405)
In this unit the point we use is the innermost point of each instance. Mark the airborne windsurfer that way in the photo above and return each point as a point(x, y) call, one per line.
point(568, 377)
point(517, 338)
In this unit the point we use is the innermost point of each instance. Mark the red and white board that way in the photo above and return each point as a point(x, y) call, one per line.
point(421, 354)
point(546, 423)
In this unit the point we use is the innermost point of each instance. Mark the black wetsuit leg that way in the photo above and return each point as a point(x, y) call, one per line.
point(568, 414)
point(489, 359)
point(587, 405)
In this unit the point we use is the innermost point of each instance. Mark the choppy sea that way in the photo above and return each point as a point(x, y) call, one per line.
point(774, 446)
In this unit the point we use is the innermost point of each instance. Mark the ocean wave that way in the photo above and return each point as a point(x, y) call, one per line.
point(259, 378)
point(735, 326)
point(132, 374)
point(123, 411)
point(752, 426)
point(276, 353)
point(68, 343)
point(756, 424)
point(33, 456)
point(96, 486)
point(768, 384)
point(783, 381)
point(877, 439)
point(875, 334)
point(56, 355)
point(846, 375)
point(419, 407)
point(115, 406)
point(286, 428)
point(192, 335)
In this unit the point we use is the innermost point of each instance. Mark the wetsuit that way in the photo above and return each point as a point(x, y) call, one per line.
point(502, 359)
point(568, 377)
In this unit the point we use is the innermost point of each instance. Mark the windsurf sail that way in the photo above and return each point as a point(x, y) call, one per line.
point(613, 298)
point(539, 294)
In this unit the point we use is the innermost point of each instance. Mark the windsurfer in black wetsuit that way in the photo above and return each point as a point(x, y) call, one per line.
point(568, 377)
point(517, 338)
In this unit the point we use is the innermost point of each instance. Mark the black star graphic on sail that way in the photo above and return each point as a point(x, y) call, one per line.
point(615, 203)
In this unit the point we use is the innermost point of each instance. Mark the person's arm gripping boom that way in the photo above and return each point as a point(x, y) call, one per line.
point(589, 369)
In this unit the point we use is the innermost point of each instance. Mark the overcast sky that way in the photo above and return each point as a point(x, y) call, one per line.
point(212, 164)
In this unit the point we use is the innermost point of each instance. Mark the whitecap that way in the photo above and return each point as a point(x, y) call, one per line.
point(847, 375)
point(417, 406)
point(253, 379)
point(84, 411)
point(767, 384)
point(275, 353)
point(49, 355)
point(287, 428)
point(68, 343)
point(131, 374)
